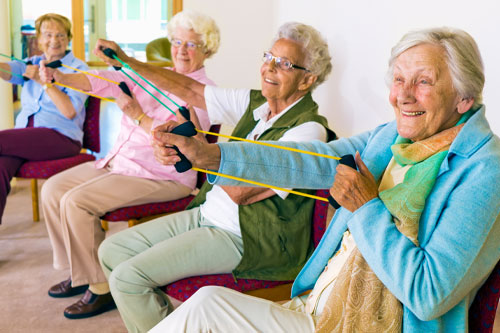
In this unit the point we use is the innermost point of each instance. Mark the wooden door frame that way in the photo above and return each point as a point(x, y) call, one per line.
point(77, 17)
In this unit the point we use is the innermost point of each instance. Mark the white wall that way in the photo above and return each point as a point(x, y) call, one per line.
point(360, 34)
point(247, 28)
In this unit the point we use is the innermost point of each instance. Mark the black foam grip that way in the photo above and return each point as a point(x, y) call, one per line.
point(349, 161)
point(184, 129)
point(123, 86)
point(25, 78)
point(110, 53)
point(54, 64)
point(185, 112)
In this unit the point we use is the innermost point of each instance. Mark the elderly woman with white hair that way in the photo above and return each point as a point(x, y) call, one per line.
point(74, 200)
point(419, 227)
point(251, 232)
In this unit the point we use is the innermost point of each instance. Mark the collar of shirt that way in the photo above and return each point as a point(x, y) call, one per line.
point(262, 111)
point(67, 60)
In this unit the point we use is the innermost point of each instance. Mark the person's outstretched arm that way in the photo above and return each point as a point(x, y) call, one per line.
point(78, 80)
point(5, 67)
point(180, 85)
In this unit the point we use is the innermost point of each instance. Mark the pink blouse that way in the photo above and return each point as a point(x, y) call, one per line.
point(132, 153)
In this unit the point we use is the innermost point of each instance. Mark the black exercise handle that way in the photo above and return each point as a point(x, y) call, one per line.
point(123, 86)
point(185, 113)
point(54, 64)
point(25, 78)
point(110, 53)
point(185, 129)
point(349, 161)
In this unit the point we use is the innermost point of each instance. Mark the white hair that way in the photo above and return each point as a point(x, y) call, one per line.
point(200, 24)
point(462, 56)
point(318, 59)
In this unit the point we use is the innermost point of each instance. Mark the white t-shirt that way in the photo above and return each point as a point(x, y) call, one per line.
point(227, 106)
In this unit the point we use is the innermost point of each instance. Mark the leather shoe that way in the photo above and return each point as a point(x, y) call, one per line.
point(64, 289)
point(90, 305)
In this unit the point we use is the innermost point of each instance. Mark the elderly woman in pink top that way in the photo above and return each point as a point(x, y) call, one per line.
point(129, 175)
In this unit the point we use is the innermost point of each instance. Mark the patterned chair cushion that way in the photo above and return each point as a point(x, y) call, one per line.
point(91, 134)
point(149, 209)
point(45, 169)
point(184, 288)
point(319, 217)
point(91, 141)
point(484, 307)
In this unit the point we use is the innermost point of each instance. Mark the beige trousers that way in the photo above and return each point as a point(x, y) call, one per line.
point(73, 202)
point(218, 309)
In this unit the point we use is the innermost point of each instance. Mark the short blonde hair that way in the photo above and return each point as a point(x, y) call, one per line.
point(200, 24)
point(318, 59)
point(62, 20)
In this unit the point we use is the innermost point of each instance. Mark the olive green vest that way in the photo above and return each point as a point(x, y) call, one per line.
point(276, 233)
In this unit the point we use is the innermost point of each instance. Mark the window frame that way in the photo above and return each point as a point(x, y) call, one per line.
point(77, 17)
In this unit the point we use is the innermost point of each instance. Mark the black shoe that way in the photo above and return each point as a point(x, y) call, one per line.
point(64, 289)
point(90, 305)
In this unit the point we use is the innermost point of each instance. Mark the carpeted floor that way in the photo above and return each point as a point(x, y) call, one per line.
point(26, 273)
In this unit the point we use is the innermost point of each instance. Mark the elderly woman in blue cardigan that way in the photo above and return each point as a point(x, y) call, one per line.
point(419, 227)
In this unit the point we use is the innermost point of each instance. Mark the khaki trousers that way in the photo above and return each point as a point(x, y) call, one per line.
point(218, 309)
point(73, 202)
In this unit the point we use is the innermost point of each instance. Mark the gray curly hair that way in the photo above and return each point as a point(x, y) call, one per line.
point(318, 59)
point(462, 56)
point(200, 23)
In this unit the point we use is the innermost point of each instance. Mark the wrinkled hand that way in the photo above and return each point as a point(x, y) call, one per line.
point(129, 105)
point(32, 73)
point(103, 44)
point(45, 73)
point(352, 189)
point(201, 154)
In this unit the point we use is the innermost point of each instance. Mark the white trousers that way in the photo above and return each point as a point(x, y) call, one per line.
point(217, 309)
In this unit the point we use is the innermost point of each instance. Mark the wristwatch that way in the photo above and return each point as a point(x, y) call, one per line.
point(137, 121)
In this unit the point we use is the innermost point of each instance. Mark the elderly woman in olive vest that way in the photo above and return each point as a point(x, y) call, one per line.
point(251, 232)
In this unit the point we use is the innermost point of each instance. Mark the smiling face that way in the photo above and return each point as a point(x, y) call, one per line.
point(422, 94)
point(187, 60)
point(53, 40)
point(285, 86)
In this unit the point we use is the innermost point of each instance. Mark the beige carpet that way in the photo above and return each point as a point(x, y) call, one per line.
point(26, 273)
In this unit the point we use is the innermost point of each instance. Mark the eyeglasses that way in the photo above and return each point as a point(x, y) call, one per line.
point(281, 62)
point(177, 43)
point(49, 35)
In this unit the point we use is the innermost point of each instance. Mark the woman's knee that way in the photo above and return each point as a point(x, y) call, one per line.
point(52, 189)
point(209, 292)
point(125, 278)
point(104, 253)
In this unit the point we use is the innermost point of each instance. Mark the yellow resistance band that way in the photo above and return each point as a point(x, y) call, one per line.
point(84, 92)
point(84, 72)
point(269, 145)
point(261, 184)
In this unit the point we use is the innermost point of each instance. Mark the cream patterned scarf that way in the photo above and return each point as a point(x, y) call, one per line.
point(359, 301)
